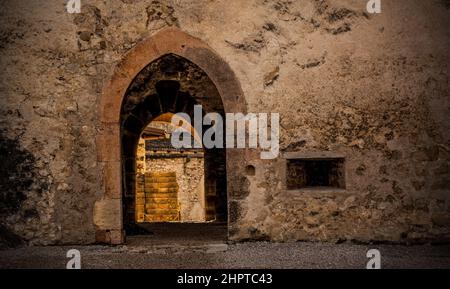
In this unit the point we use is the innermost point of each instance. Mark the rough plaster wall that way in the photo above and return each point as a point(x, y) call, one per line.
point(191, 193)
point(375, 88)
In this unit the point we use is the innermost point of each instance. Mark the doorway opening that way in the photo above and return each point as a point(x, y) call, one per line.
point(162, 184)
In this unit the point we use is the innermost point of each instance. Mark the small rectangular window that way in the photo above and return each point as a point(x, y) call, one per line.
point(315, 173)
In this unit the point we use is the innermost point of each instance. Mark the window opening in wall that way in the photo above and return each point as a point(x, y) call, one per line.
point(315, 173)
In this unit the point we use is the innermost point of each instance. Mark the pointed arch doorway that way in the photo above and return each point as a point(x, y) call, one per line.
point(169, 72)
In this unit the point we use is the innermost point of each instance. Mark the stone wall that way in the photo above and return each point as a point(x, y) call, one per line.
point(371, 88)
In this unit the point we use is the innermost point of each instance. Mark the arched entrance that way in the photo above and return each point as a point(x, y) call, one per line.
point(168, 72)
point(169, 84)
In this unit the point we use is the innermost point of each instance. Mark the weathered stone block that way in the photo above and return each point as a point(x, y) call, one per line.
point(112, 180)
point(108, 214)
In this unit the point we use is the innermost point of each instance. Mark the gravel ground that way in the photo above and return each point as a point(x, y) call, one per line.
point(200, 246)
point(220, 255)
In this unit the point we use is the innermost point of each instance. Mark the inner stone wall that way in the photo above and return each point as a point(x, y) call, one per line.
point(373, 89)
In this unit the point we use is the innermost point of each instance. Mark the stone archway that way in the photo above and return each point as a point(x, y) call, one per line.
point(108, 213)
point(169, 84)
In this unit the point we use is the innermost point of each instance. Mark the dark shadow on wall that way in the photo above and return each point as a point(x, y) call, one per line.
point(18, 176)
point(8, 239)
point(446, 3)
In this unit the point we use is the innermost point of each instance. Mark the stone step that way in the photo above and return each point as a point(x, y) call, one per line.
point(157, 186)
point(140, 201)
point(161, 218)
point(160, 174)
point(167, 206)
point(161, 190)
point(161, 211)
point(162, 195)
point(176, 247)
point(151, 200)
point(160, 180)
point(140, 207)
point(140, 217)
